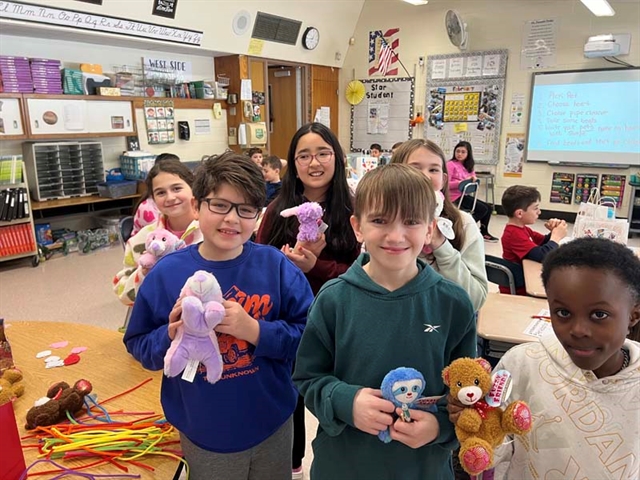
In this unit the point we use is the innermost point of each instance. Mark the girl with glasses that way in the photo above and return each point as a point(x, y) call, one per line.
point(316, 173)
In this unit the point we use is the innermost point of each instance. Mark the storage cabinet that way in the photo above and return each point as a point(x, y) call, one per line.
point(63, 170)
point(10, 118)
point(634, 210)
point(71, 117)
point(16, 231)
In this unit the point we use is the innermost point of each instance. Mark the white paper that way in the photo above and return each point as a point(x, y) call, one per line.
point(378, 120)
point(516, 112)
point(491, 65)
point(202, 126)
point(439, 69)
point(73, 115)
point(474, 66)
point(242, 134)
point(539, 326)
point(323, 116)
point(539, 44)
point(455, 67)
point(245, 89)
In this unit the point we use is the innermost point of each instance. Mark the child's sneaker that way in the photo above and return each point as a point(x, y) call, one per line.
point(489, 238)
point(297, 474)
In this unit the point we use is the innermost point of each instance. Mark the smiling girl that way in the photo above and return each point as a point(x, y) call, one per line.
point(169, 183)
point(460, 260)
point(316, 173)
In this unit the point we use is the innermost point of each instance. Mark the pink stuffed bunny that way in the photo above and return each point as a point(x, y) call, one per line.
point(195, 340)
point(310, 217)
point(159, 243)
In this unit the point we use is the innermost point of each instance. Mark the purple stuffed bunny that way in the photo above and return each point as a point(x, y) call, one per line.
point(310, 217)
point(202, 311)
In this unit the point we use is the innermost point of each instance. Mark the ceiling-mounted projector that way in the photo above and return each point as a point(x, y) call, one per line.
point(607, 46)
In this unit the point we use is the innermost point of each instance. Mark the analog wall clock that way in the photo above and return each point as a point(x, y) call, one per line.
point(310, 38)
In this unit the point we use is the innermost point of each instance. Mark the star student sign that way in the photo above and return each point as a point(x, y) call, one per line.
point(377, 90)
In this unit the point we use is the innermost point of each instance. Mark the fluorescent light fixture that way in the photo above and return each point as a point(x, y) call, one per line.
point(417, 2)
point(600, 8)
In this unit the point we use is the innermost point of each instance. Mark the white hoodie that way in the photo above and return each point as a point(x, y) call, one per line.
point(584, 428)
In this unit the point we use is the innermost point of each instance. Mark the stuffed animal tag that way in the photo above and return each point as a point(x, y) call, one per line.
point(500, 388)
point(190, 370)
point(406, 414)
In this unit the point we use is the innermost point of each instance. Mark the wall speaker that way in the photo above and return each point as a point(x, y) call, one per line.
point(241, 22)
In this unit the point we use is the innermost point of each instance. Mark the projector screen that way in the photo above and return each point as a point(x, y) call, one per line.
point(587, 116)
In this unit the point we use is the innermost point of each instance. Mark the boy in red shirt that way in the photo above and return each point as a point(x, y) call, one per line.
point(522, 206)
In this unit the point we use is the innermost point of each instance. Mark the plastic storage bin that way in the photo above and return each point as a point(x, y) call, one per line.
point(136, 165)
point(117, 189)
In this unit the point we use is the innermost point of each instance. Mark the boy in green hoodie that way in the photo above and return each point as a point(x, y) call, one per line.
point(388, 310)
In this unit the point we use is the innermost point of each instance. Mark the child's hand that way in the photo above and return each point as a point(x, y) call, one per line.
point(455, 408)
point(175, 319)
point(371, 412)
point(315, 247)
point(422, 429)
point(239, 323)
point(559, 231)
point(303, 258)
point(552, 223)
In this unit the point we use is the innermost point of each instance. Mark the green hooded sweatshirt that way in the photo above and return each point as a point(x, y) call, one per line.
point(357, 331)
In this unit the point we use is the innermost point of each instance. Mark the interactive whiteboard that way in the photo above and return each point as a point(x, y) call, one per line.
point(585, 117)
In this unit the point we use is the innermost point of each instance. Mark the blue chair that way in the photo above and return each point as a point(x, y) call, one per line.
point(468, 188)
point(504, 273)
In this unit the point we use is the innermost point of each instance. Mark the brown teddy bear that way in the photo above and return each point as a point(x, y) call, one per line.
point(60, 399)
point(480, 428)
point(9, 386)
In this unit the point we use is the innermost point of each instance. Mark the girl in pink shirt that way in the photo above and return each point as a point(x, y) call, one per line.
point(461, 167)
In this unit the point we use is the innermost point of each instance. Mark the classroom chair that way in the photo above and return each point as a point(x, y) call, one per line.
point(468, 188)
point(125, 228)
point(504, 273)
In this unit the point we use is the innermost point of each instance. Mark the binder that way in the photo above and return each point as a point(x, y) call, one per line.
point(3, 199)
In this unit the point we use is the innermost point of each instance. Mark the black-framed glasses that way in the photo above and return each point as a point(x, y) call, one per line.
point(323, 156)
point(222, 207)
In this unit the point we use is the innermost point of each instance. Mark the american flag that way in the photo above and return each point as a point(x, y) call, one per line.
point(383, 56)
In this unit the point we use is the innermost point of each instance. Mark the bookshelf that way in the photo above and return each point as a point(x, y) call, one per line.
point(17, 234)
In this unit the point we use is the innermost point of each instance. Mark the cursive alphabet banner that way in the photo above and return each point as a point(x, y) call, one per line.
point(28, 12)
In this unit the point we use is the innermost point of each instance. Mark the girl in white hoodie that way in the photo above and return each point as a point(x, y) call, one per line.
point(582, 382)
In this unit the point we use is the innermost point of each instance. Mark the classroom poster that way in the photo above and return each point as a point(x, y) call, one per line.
point(160, 121)
point(613, 186)
point(584, 183)
point(562, 188)
point(513, 155)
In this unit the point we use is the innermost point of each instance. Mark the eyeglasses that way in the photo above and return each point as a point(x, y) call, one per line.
point(222, 207)
point(324, 156)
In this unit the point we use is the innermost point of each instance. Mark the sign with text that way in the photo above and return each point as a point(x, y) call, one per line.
point(60, 17)
point(165, 8)
point(166, 70)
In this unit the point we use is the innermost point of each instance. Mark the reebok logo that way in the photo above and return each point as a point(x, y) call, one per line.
point(431, 328)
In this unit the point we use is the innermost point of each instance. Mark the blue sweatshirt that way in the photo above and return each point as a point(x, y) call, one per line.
point(255, 395)
point(357, 332)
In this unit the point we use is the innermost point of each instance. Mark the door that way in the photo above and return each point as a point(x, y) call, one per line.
point(51, 116)
point(324, 92)
point(110, 116)
point(10, 117)
point(284, 111)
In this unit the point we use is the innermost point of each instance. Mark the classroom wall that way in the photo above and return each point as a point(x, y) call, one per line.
point(492, 24)
point(72, 53)
point(334, 19)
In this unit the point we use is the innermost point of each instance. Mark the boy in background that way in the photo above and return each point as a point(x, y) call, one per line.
point(390, 309)
point(376, 150)
point(271, 167)
point(255, 154)
point(241, 426)
point(522, 206)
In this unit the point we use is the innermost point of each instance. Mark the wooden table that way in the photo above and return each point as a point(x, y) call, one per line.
point(533, 278)
point(106, 364)
point(504, 317)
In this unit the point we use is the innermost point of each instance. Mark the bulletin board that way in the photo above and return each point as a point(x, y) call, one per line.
point(384, 114)
point(465, 93)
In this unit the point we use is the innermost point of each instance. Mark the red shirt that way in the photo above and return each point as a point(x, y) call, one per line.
point(517, 242)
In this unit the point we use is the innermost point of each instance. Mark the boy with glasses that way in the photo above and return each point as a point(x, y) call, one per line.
point(241, 425)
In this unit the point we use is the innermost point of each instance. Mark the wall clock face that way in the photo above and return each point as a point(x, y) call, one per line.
point(310, 38)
